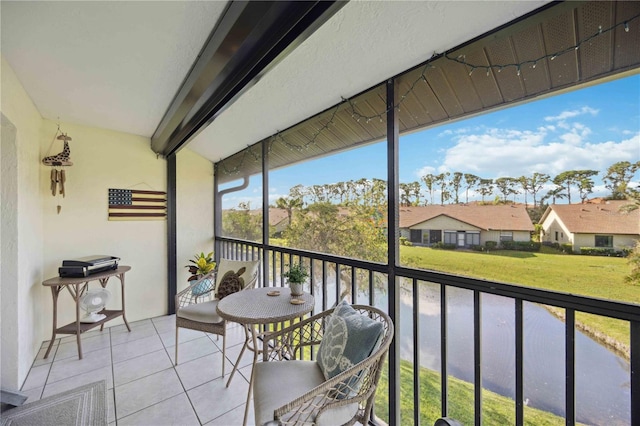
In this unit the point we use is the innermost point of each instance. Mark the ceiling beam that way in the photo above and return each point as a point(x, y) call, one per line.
point(250, 38)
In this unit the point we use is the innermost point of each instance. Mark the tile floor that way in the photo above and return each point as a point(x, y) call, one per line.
point(144, 386)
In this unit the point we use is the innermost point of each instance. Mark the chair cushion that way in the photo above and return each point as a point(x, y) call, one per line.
point(349, 338)
point(203, 286)
point(234, 275)
point(201, 312)
point(278, 382)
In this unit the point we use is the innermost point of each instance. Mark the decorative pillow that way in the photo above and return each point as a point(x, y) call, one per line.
point(204, 285)
point(233, 276)
point(349, 338)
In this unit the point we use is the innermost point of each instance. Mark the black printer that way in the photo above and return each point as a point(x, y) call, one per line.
point(85, 266)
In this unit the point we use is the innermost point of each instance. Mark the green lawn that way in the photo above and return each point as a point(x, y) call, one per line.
point(496, 409)
point(593, 276)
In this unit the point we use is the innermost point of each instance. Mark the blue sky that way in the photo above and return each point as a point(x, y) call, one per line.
point(590, 128)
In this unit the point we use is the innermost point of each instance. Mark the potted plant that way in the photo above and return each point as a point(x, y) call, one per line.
point(202, 265)
point(296, 276)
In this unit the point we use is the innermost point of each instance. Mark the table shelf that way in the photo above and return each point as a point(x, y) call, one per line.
point(78, 286)
point(71, 327)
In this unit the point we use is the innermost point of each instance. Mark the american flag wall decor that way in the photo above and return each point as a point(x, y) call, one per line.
point(130, 204)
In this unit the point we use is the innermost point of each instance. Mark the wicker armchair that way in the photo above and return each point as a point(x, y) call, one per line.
point(295, 392)
point(196, 304)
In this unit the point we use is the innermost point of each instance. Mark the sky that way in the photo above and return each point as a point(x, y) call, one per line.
point(590, 128)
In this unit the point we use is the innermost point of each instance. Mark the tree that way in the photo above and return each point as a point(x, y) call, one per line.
point(507, 186)
point(553, 194)
point(415, 193)
point(456, 180)
point(537, 182)
point(585, 183)
point(322, 228)
point(429, 181)
point(288, 204)
point(377, 192)
point(485, 187)
point(242, 224)
point(566, 180)
point(471, 181)
point(299, 192)
point(618, 177)
point(409, 191)
point(441, 181)
point(525, 184)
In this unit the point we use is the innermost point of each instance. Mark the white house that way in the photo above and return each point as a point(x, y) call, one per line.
point(591, 225)
point(465, 224)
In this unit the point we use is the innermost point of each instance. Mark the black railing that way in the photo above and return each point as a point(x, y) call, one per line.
point(334, 277)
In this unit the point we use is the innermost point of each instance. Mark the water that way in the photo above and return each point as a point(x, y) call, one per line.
point(602, 378)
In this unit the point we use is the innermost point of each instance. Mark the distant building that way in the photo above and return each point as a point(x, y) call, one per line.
point(465, 224)
point(591, 225)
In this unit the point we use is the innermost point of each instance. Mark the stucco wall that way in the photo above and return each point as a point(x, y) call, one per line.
point(104, 159)
point(495, 236)
point(589, 240)
point(22, 293)
point(35, 238)
point(195, 209)
point(551, 225)
point(445, 223)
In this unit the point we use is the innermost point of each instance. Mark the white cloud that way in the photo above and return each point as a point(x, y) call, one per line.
point(573, 113)
point(504, 152)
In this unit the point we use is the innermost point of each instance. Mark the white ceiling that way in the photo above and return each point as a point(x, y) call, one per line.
point(117, 65)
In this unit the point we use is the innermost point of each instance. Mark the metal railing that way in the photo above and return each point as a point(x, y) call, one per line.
point(334, 277)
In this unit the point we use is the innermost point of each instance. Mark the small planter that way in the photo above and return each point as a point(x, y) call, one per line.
point(296, 276)
point(296, 289)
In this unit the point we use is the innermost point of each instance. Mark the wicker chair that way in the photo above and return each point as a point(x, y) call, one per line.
point(290, 391)
point(196, 304)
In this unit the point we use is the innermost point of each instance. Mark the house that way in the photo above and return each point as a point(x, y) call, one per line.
point(465, 225)
point(185, 97)
point(604, 225)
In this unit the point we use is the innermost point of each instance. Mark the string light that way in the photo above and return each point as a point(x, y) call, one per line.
point(350, 104)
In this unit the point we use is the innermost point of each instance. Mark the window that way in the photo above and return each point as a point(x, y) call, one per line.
point(450, 237)
point(506, 236)
point(604, 240)
point(416, 235)
point(473, 238)
point(556, 235)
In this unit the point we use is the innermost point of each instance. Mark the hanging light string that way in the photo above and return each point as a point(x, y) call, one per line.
point(461, 59)
point(314, 137)
point(533, 62)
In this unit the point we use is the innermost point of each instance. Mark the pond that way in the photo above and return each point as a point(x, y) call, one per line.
point(602, 377)
point(603, 389)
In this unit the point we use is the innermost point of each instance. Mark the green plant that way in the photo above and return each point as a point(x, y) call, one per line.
point(296, 274)
point(202, 265)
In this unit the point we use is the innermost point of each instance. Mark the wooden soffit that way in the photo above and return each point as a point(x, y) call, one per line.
point(532, 57)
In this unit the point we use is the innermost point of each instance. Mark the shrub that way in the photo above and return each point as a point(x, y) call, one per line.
point(566, 248)
point(508, 245)
point(521, 245)
point(405, 242)
point(600, 251)
point(490, 245)
point(476, 247)
point(444, 246)
point(634, 262)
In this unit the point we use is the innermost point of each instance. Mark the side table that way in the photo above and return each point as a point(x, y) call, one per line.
point(77, 286)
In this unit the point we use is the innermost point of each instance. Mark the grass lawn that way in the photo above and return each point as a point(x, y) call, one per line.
point(593, 276)
point(496, 409)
